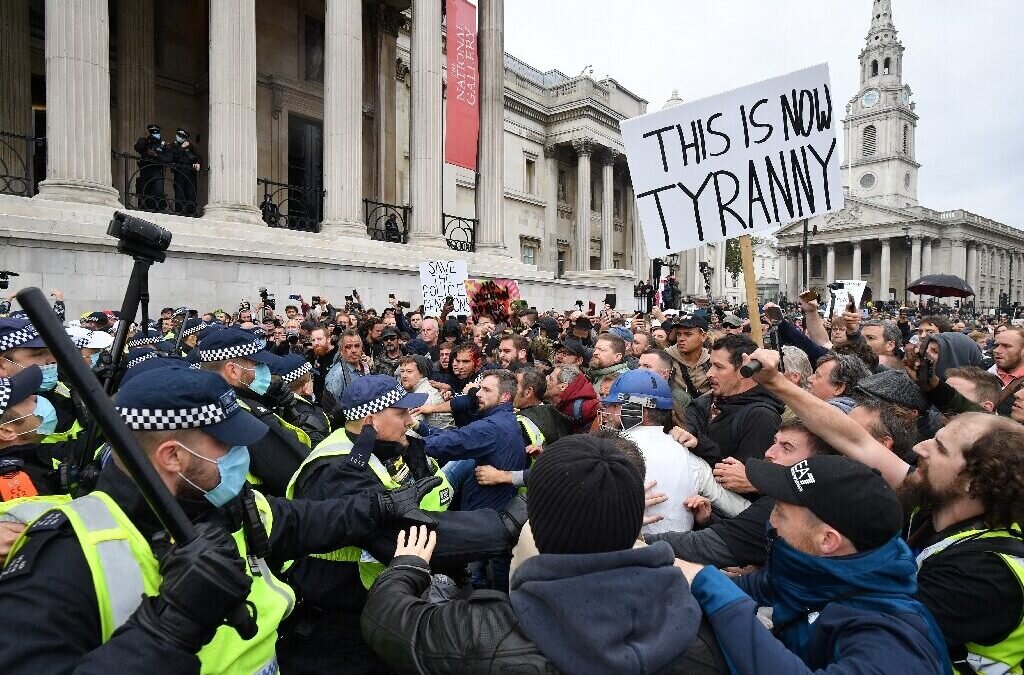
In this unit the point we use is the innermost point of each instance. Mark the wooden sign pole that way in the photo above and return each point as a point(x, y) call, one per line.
point(750, 285)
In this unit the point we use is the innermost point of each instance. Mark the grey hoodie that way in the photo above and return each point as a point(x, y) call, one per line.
point(955, 351)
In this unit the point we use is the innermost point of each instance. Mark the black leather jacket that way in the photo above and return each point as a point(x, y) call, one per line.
point(475, 636)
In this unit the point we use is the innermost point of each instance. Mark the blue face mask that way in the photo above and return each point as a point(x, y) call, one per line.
point(45, 411)
point(261, 383)
point(49, 377)
point(156, 135)
point(233, 468)
point(94, 360)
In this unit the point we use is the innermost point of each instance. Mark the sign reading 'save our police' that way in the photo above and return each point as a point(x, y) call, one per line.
point(747, 160)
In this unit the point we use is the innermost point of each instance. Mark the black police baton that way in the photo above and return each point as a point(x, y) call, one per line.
point(142, 473)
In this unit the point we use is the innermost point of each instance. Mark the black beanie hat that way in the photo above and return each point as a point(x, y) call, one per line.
point(585, 497)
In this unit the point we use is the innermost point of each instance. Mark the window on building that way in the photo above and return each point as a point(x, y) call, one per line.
point(529, 254)
point(870, 142)
point(816, 266)
point(874, 69)
point(885, 66)
point(313, 49)
point(530, 176)
point(617, 262)
point(563, 182)
point(618, 203)
point(865, 263)
point(561, 262)
point(906, 139)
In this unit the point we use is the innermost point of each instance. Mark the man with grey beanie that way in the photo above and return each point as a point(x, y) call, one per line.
point(589, 602)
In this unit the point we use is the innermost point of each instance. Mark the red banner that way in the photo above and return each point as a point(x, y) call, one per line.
point(463, 114)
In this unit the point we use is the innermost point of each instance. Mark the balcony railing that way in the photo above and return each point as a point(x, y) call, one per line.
point(387, 222)
point(19, 155)
point(161, 187)
point(294, 207)
point(460, 233)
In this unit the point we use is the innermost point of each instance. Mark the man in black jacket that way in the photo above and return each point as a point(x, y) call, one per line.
point(739, 418)
point(185, 167)
point(586, 510)
point(153, 154)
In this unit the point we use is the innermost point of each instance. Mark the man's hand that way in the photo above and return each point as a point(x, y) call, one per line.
point(488, 475)
point(403, 504)
point(740, 571)
point(652, 499)
point(417, 541)
point(683, 437)
point(700, 507)
point(925, 377)
point(809, 307)
point(732, 475)
point(769, 372)
point(852, 321)
point(9, 533)
point(195, 166)
point(534, 450)
point(689, 569)
point(58, 295)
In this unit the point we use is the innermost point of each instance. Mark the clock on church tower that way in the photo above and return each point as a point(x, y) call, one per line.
point(880, 124)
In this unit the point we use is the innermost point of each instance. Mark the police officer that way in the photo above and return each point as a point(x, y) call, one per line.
point(90, 343)
point(238, 356)
point(373, 452)
point(190, 331)
point(153, 154)
point(295, 398)
point(26, 466)
point(95, 585)
point(186, 172)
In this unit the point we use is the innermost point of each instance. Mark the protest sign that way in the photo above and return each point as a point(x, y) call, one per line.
point(842, 292)
point(440, 280)
point(747, 160)
point(492, 297)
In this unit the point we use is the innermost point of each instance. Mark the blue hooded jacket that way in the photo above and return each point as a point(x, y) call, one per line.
point(848, 614)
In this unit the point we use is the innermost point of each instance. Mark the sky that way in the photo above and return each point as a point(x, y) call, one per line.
point(962, 62)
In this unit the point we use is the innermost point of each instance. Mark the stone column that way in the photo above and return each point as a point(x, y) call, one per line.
point(343, 118)
point(855, 268)
point(78, 103)
point(15, 93)
point(584, 147)
point(551, 154)
point(608, 209)
point(425, 151)
point(972, 265)
point(958, 258)
point(136, 74)
point(491, 238)
point(233, 112)
point(884, 271)
point(830, 263)
point(915, 260)
point(389, 21)
point(926, 256)
point(793, 269)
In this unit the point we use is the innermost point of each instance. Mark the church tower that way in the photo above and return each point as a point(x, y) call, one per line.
point(880, 123)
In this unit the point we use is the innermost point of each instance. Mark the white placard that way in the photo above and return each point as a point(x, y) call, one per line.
point(443, 278)
point(747, 160)
point(840, 296)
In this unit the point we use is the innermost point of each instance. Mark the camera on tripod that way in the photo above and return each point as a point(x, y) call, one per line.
point(267, 299)
point(5, 278)
point(139, 238)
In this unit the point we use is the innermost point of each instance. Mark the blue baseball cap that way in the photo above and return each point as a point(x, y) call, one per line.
point(177, 397)
point(234, 343)
point(291, 367)
point(622, 332)
point(18, 387)
point(19, 334)
point(373, 393)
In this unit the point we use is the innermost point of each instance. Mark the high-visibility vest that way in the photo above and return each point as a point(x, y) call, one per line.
point(1005, 657)
point(339, 445)
point(124, 568)
point(71, 433)
point(531, 432)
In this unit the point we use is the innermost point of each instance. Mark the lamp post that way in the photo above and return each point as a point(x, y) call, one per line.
point(806, 252)
point(906, 264)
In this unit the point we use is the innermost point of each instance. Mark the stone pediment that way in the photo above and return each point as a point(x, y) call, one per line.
point(856, 213)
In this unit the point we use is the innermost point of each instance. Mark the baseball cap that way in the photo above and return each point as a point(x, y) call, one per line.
point(19, 334)
point(18, 387)
point(389, 331)
point(622, 332)
point(732, 321)
point(373, 393)
point(692, 322)
point(583, 323)
point(234, 343)
point(177, 397)
point(848, 495)
point(574, 347)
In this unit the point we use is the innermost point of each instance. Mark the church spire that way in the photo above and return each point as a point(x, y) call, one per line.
point(881, 18)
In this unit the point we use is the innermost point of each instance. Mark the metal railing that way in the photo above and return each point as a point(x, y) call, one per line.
point(387, 222)
point(460, 233)
point(18, 156)
point(294, 207)
point(161, 187)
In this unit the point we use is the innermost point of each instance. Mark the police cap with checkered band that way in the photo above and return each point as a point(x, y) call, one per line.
point(18, 387)
point(371, 394)
point(234, 343)
point(89, 339)
point(291, 367)
point(19, 334)
point(850, 496)
point(177, 397)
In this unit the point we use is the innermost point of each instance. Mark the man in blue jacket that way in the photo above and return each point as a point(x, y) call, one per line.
point(839, 579)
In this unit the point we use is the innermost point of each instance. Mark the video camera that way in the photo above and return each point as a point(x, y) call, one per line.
point(5, 278)
point(267, 299)
point(139, 238)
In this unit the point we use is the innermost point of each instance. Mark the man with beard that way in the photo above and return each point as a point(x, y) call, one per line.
point(513, 352)
point(352, 364)
point(963, 506)
point(608, 359)
point(386, 363)
point(322, 355)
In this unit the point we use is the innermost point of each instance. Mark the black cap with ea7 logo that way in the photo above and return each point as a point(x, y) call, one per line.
point(849, 496)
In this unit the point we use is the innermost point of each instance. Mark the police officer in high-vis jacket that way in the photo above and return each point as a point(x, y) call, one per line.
point(240, 359)
point(370, 453)
point(97, 586)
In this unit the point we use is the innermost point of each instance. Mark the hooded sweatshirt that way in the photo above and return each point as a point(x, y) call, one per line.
point(581, 415)
point(606, 613)
point(955, 351)
point(744, 427)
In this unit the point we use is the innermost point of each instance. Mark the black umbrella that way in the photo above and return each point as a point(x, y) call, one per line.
point(941, 286)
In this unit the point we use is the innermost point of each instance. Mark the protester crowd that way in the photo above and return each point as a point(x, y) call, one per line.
point(579, 492)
